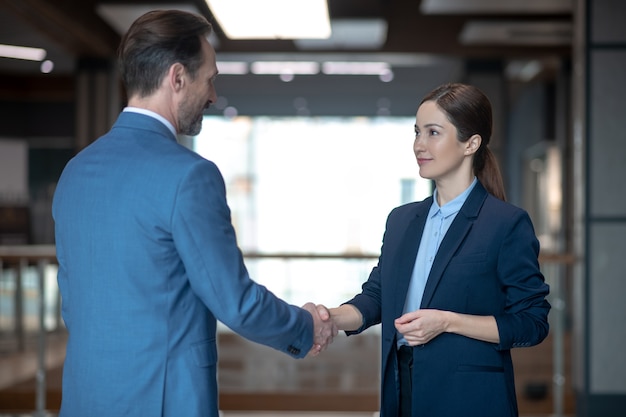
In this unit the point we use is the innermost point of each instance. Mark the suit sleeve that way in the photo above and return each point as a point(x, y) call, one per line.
point(205, 239)
point(369, 301)
point(524, 321)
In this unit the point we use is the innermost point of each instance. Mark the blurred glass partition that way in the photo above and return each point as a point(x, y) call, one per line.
point(316, 187)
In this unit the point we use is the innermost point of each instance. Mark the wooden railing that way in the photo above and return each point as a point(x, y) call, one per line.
point(23, 257)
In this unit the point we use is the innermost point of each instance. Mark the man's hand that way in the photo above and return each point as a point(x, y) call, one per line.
point(324, 329)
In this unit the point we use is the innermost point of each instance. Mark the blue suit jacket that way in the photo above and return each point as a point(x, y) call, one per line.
point(486, 265)
point(148, 261)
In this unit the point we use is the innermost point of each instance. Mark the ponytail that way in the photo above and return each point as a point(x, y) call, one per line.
point(488, 173)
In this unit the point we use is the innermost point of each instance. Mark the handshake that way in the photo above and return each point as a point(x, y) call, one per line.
point(324, 327)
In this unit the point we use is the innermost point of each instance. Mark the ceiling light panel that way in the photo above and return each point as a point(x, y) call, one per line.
point(517, 33)
point(355, 68)
point(22, 52)
point(232, 67)
point(495, 6)
point(349, 34)
point(272, 19)
point(285, 67)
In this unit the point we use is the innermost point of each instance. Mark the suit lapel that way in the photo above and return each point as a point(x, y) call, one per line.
point(407, 252)
point(454, 237)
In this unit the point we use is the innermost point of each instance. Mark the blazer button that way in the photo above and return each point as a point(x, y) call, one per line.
point(293, 350)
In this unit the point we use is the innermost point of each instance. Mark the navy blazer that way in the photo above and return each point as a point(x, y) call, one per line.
point(487, 264)
point(148, 262)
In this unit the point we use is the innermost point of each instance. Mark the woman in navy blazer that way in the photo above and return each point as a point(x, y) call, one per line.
point(446, 343)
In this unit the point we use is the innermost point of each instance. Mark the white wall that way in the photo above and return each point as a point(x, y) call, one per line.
point(13, 171)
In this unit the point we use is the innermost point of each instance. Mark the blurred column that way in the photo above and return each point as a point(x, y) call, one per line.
point(98, 99)
point(488, 75)
point(599, 152)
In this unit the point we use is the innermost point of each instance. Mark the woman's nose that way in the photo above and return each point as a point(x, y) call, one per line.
point(418, 144)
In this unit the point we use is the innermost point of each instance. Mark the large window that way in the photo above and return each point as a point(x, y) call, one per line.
point(318, 186)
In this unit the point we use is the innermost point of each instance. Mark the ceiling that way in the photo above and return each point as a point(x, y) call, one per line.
point(472, 29)
point(426, 42)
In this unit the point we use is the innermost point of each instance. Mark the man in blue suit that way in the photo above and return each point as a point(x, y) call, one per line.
point(148, 258)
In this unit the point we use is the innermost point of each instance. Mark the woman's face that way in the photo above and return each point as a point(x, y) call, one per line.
point(440, 155)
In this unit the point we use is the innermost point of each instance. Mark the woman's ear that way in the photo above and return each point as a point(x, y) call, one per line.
point(472, 144)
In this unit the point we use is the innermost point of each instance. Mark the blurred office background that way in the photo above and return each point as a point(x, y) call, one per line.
point(314, 138)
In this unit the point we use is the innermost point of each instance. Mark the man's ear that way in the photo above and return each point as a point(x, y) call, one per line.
point(472, 144)
point(176, 77)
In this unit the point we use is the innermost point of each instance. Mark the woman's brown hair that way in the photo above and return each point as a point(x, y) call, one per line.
point(469, 110)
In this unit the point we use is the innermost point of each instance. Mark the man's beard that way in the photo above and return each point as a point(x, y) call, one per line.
point(189, 123)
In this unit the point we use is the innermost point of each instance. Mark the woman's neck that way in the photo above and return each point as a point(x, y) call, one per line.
point(449, 190)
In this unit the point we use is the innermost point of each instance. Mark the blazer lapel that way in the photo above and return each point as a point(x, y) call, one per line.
point(455, 235)
point(407, 252)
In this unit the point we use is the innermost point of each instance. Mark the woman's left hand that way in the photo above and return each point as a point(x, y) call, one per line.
point(421, 326)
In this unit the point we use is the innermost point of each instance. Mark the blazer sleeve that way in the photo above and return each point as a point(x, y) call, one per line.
point(524, 320)
point(369, 301)
point(205, 239)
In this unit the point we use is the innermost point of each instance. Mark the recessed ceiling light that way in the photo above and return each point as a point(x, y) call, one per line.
point(47, 66)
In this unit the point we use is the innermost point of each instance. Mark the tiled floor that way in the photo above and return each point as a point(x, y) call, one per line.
point(257, 381)
point(295, 414)
point(280, 414)
point(247, 414)
point(252, 377)
point(45, 414)
point(18, 367)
